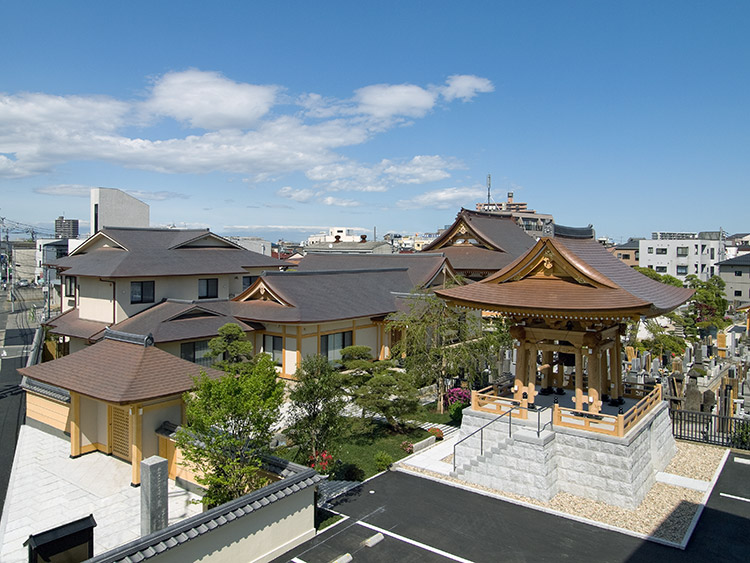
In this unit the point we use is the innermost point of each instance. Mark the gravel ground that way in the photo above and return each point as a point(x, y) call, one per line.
point(665, 513)
point(697, 461)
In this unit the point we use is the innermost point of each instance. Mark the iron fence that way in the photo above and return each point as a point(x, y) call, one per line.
point(710, 428)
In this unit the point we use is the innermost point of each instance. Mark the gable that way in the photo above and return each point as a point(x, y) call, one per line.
point(96, 242)
point(261, 291)
point(548, 261)
point(207, 240)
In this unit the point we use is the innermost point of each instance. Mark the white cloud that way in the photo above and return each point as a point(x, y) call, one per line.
point(419, 170)
point(39, 132)
point(446, 198)
point(304, 228)
point(339, 202)
point(209, 100)
point(78, 190)
point(465, 87)
point(300, 195)
point(386, 100)
point(68, 190)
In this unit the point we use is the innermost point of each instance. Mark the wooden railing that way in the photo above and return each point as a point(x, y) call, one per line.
point(641, 408)
point(612, 425)
point(487, 400)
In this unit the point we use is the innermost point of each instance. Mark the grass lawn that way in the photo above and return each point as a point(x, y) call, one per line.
point(363, 439)
point(428, 413)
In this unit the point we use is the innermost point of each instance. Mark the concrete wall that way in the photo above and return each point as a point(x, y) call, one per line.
point(617, 471)
point(118, 209)
point(257, 537)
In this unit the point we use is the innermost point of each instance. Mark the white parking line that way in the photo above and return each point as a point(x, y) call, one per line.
point(415, 543)
point(734, 497)
point(742, 460)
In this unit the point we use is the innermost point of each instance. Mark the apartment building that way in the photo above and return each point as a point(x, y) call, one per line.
point(682, 254)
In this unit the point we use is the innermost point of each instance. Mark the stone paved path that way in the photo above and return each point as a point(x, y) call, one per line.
point(48, 489)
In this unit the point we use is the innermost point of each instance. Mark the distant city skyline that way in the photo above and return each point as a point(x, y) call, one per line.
point(282, 120)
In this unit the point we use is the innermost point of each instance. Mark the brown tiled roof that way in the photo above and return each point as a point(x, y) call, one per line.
point(421, 268)
point(119, 372)
point(176, 320)
point(70, 324)
point(580, 278)
point(161, 252)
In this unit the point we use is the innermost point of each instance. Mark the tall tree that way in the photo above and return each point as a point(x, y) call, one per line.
point(390, 394)
point(317, 399)
point(437, 341)
point(231, 346)
point(707, 307)
point(663, 278)
point(229, 423)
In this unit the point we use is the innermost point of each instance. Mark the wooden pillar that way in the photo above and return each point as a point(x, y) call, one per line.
point(75, 424)
point(521, 369)
point(606, 373)
point(595, 379)
point(136, 449)
point(579, 379)
point(617, 370)
point(547, 374)
point(531, 373)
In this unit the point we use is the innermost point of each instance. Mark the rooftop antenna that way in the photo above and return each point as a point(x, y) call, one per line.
point(489, 186)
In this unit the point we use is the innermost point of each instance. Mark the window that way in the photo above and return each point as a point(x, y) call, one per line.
point(70, 286)
point(208, 288)
point(661, 250)
point(713, 253)
point(661, 269)
point(738, 293)
point(650, 249)
point(272, 345)
point(142, 292)
point(626, 256)
point(196, 352)
point(682, 270)
point(331, 344)
point(682, 251)
point(738, 273)
point(247, 281)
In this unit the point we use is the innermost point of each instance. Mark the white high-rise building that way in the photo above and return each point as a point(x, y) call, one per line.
point(111, 207)
point(681, 254)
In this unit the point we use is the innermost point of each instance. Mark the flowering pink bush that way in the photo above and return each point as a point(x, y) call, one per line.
point(436, 432)
point(322, 463)
point(407, 446)
point(457, 395)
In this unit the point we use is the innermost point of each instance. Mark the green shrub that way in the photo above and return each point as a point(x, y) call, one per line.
point(456, 410)
point(348, 472)
point(741, 436)
point(383, 461)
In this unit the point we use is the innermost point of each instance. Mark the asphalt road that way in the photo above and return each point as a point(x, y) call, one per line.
point(13, 343)
point(424, 520)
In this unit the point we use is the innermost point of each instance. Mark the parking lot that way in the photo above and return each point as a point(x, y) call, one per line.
point(423, 520)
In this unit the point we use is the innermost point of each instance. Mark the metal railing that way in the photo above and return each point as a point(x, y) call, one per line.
point(539, 426)
point(708, 428)
point(481, 434)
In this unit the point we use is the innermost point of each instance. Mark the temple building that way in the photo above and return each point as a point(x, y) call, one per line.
point(478, 244)
point(567, 423)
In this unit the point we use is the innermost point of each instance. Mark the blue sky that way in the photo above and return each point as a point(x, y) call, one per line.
point(279, 119)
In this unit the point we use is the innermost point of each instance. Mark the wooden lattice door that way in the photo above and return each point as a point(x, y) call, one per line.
point(121, 433)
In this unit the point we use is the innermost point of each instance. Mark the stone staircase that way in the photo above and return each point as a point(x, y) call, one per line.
point(479, 464)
